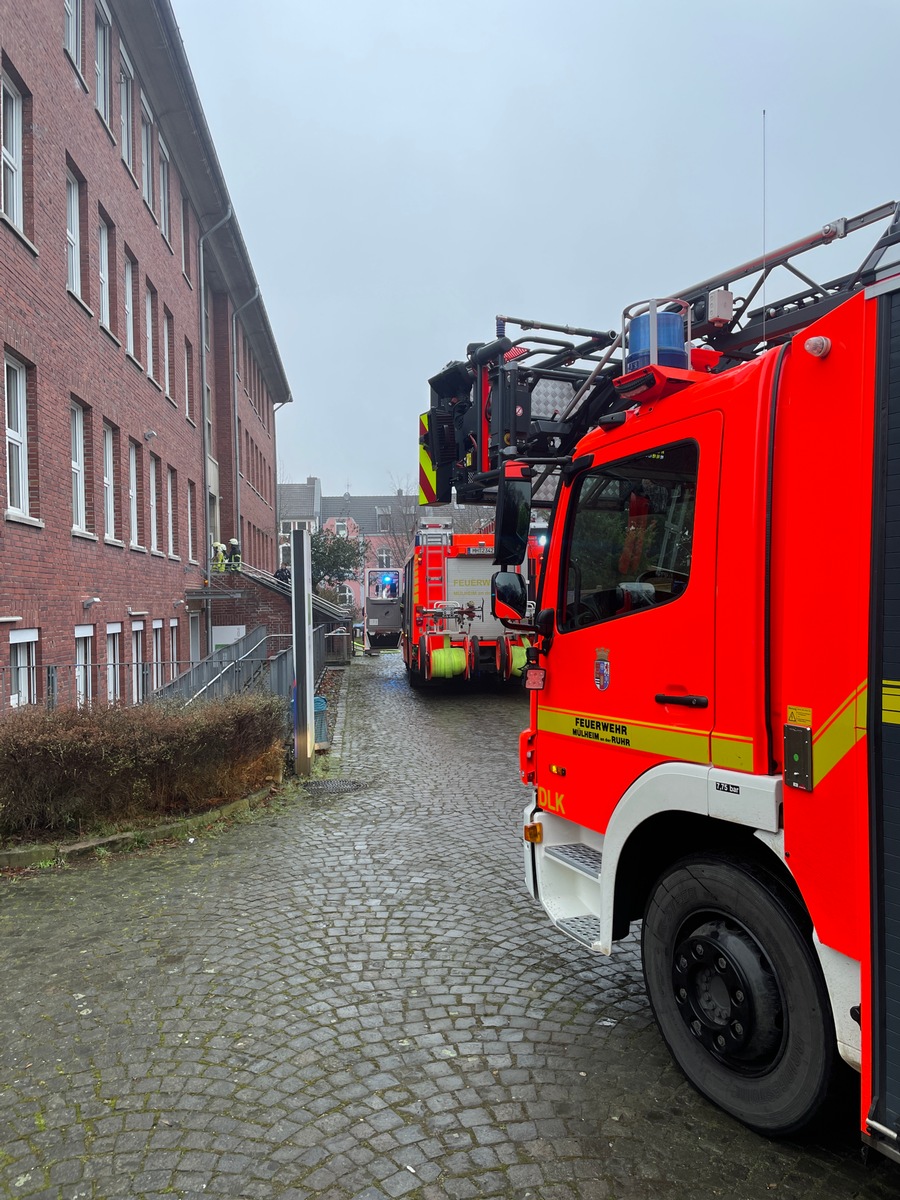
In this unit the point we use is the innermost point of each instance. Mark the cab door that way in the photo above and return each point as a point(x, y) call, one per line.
point(631, 673)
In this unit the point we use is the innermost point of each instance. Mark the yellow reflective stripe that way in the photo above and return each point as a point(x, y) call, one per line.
point(666, 741)
point(427, 469)
point(840, 733)
point(732, 750)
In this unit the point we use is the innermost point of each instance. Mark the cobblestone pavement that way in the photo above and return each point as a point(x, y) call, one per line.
point(356, 1000)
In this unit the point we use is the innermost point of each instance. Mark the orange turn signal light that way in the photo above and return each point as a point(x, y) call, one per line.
point(534, 833)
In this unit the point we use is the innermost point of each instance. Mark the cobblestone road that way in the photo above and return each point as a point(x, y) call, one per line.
point(356, 1000)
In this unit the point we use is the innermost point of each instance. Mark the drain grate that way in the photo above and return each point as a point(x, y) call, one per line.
point(319, 787)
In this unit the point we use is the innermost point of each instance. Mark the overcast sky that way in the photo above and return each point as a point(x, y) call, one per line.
point(404, 171)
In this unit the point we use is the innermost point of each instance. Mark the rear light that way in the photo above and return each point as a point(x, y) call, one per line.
point(534, 833)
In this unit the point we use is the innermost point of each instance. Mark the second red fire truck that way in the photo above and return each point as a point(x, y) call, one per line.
point(713, 745)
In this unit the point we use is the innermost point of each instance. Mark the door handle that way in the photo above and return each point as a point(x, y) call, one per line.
point(684, 701)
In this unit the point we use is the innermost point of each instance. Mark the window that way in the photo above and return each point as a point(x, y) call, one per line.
point(73, 234)
point(17, 489)
point(103, 270)
point(133, 485)
point(154, 502)
point(150, 328)
point(147, 153)
point(79, 512)
point(102, 60)
point(129, 305)
point(137, 662)
point(630, 536)
point(192, 545)
point(126, 110)
point(345, 595)
point(23, 664)
point(173, 648)
point(84, 687)
point(157, 645)
point(383, 516)
point(72, 34)
point(167, 349)
point(109, 482)
point(113, 662)
point(11, 100)
point(164, 219)
point(171, 510)
point(186, 236)
point(340, 528)
point(188, 380)
point(383, 558)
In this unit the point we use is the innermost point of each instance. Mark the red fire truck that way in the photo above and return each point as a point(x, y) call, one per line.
point(714, 733)
point(448, 632)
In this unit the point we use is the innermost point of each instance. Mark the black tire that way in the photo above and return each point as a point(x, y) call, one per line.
point(738, 994)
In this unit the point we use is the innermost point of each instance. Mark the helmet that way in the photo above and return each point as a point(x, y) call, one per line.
point(233, 542)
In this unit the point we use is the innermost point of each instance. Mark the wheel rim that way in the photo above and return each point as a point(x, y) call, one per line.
point(727, 993)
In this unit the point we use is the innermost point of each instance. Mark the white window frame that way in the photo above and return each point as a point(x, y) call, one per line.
point(345, 594)
point(129, 305)
point(147, 153)
point(11, 102)
point(191, 492)
point(383, 558)
point(16, 413)
point(154, 509)
point(103, 270)
point(79, 507)
point(173, 647)
point(340, 528)
point(164, 207)
point(133, 531)
point(109, 483)
point(84, 683)
point(170, 509)
point(126, 108)
point(23, 667)
point(167, 347)
point(73, 234)
point(188, 380)
point(137, 662)
point(113, 662)
point(156, 681)
point(148, 339)
point(72, 31)
point(185, 236)
point(103, 62)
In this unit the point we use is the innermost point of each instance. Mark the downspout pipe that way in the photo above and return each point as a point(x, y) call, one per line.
point(238, 532)
point(206, 319)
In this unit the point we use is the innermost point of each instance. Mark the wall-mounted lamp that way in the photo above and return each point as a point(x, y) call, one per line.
point(176, 603)
point(6, 620)
point(133, 612)
point(86, 604)
point(149, 435)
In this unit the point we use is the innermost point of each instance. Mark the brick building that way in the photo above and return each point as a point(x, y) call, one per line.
point(139, 422)
point(387, 523)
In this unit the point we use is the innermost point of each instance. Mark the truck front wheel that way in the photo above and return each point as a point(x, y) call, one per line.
point(738, 994)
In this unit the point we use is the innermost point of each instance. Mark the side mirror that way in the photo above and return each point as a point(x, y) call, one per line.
point(509, 596)
point(513, 518)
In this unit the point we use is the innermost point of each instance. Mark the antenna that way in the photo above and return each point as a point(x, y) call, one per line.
point(764, 272)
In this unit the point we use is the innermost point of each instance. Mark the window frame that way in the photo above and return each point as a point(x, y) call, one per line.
point(171, 511)
point(126, 109)
point(113, 665)
point(165, 215)
point(129, 277)
point(73, 234)
point(73, 30)
point(79, 489)
point(13, 151)
point(154, 502)
point(103, 273)
point(23, 645)
point(103, 63)
point(17, 436)
point(109, 482)
point(147, 153)
point(84, 663)
point(134, 531)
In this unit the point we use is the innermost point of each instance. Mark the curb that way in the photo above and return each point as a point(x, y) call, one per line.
point(32, 855)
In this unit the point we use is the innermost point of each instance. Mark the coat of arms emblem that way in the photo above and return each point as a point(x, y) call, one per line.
point(601, 670)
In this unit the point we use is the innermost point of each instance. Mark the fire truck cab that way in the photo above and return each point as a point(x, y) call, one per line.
point(714, 733)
